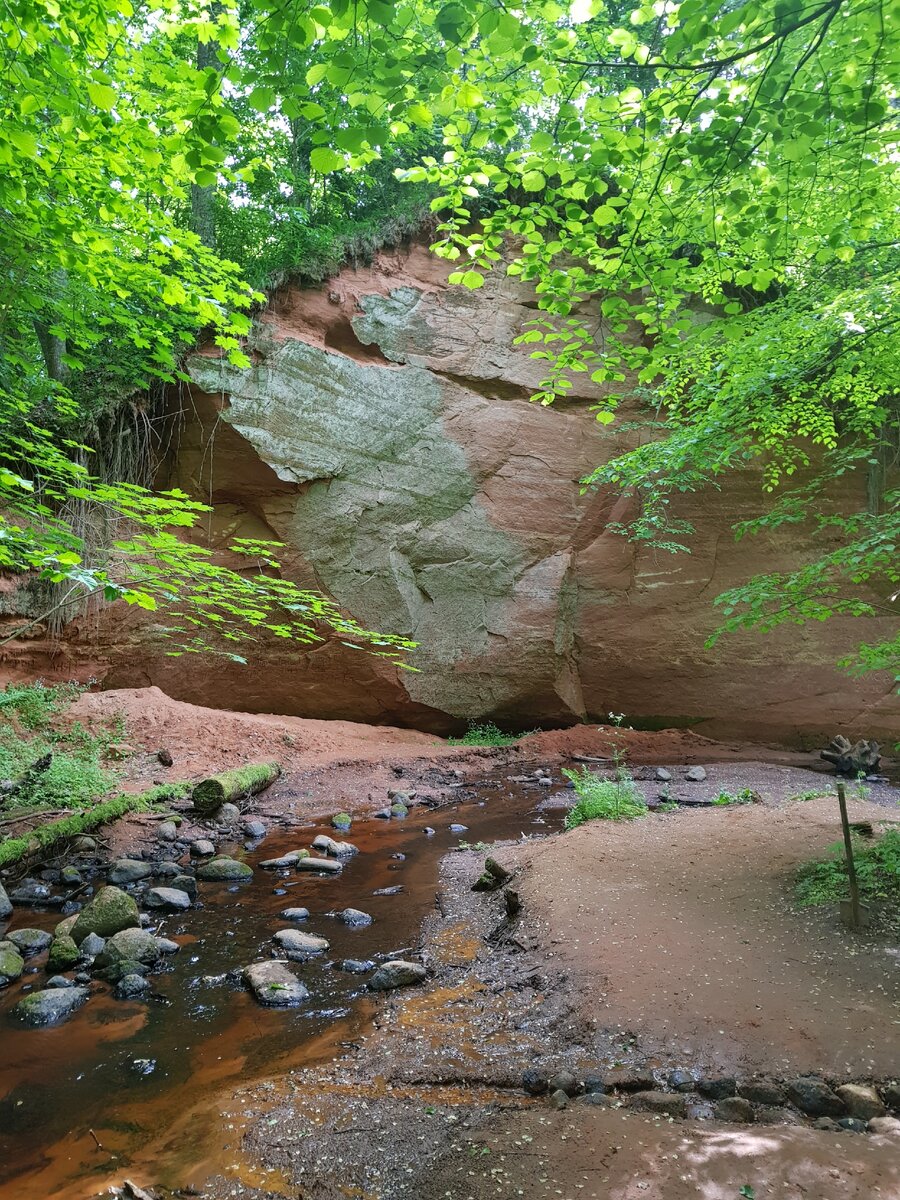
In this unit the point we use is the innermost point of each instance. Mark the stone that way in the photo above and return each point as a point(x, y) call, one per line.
point(202, 848)
point(186, 883)
point(64, 954)
point(327, 866)
point(59, 981)
point(130, 987)
point(85, 844)
point(274, 985)
point(734, 1108)
point(254, 829)
point(861, 1101)
point(699, 1110)
point(852, 1124)
point(51, 1006)
point(228, 814)
point(166, 870)
point(717, 1087)
point(664, 1103)
point(293, 941)
point(294, 914)
point(695, 774)
point(167, 899)
point(341, 821)
point(283, 862)
point(12, 964)
point(356, 966)
point(396, 973)
point(129, 870)
point(91, 946)
point(890, 1094)
point(559, 1100)
point(29, 941)
point(595, 1083)
point(118, 970)
point(399, 811)
point(129, 945)
point(224, 868)
point(31, 893)
point(681, 1081)
point(354, 917)
point(457, 828)
point(763, 1089)
point(389, 891)
point(167, 946)
point(766, 1115)
point(534, 1082)
point(630, 1079)
point(6, 907)
point(327, 845)
point(887, 1126)
point(826, 1124)
point(71, 877)
point(383, 814)
point(564, 1081)
point(814, 1097)
point(110, 911)
point(663, 775)
point(164, 758)
point(167, 831)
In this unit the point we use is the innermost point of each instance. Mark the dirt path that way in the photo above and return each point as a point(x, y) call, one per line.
point(683, 930)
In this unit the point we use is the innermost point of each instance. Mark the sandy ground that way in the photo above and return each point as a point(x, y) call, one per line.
point(683, 930)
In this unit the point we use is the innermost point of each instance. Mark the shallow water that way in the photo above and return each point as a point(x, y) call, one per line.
point(76, 1106)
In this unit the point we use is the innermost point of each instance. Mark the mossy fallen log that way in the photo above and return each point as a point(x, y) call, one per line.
point(210, 794)
point(83, 821)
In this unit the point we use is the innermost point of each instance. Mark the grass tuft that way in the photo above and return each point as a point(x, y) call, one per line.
point(617, 799)
point(485, 733)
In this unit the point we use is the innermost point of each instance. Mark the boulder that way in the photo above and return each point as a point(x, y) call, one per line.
point(167, 831)
point(29, 941)
point(663, 775)
point(202, 848)
point(224, 868)
point(228, 814)
point(355, 917)
point(110, 911)
point(129, 870)
point(59, 981)
point(6, 907)
point(860, 1101)
point(129, 945)
point(185, 883)
point(890, 1094)
point(395, 974)
point(814, 1097)
point(33, 893)
point(695, 774)
point(535, 1083)
point(51, 1006)
point(92, 945)
point(717, 1087)
point(564, 1081)
point(664, 1103)
point(559, 1100)
point(167, 899)
point(127, 966)
point(167, 946)
point(64, 954)
point(295, 942)
point(12, 964)
point(328, 866)
point(274, 985)
point(327, 845)
point(341, 821)
point(887, 1126)
point(66, 925)
point(166, 870)
point(254, 829)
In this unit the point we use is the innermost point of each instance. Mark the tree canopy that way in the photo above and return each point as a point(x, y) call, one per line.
point(720, 176)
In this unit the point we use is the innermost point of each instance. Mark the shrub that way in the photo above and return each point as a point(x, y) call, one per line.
point(824, 881)
point(744, 796)
point(485, 733)
point(617, 799)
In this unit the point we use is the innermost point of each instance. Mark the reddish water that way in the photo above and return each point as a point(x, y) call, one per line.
point(63, 1090)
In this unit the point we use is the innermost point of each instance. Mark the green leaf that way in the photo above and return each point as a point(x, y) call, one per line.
point(102, 96)
point(325, 160)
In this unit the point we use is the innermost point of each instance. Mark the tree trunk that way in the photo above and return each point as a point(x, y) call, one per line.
point(210, 794)
point(203, 214)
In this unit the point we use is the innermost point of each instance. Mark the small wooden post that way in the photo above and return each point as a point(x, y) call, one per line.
point(855, 915)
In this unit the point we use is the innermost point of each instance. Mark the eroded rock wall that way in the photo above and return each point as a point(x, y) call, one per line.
point(385, 435)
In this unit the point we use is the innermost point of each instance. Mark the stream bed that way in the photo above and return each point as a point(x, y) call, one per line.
point(137, 1088)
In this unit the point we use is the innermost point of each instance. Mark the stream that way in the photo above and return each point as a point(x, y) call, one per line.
point(137, 1088)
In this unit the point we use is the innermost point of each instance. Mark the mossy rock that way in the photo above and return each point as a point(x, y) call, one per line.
point(63, 954)
point(224, 868)
point(110, 911)
point(129, 945)
point(50, 1007)
point(12, 964)
point(65, 927)
point(399, 810)
point(341, 821)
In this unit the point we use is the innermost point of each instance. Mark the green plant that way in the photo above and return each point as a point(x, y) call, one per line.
point(617, 799)
point(744, 796)
point(667, 806)
point(485, 733)
point(811, 794)
point(35, 704)
point(824, 881)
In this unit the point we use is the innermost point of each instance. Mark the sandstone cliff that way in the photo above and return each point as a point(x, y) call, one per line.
point(384, 433)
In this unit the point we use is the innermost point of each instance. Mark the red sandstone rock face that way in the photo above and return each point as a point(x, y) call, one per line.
point(385, 435)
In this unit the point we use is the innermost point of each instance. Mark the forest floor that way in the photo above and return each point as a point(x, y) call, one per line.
point(668, 943)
